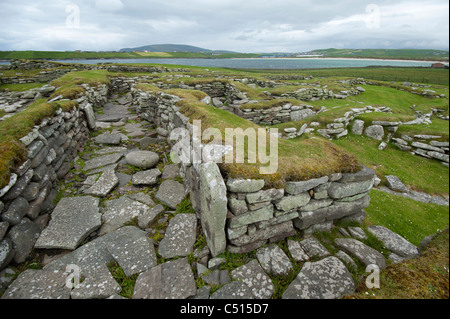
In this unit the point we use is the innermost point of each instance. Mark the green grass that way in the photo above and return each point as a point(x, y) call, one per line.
point(408, 218)
point(20, 87)
point(416, 172)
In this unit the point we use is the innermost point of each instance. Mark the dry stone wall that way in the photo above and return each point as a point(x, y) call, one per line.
point(27, 201)
point(243, 215)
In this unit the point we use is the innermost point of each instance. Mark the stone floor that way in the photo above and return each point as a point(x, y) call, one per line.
point(118, 208)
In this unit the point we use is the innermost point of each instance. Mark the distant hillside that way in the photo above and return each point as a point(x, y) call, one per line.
point(172, 48)
point(403, 54)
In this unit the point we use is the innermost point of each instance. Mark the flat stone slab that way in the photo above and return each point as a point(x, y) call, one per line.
point(108, 138)
point(104, 185)
point(236, 290)
point(171, 193)
point(120, 211)
point(313, 248)
point(133, 251)
point(367, 255)
point(325, 279)
point(180, 236)
point(297, 251)
point(101, 161)
point(171, 171)
point(256, 279)
point(171, 280)
point(394, 242)
point(274, 260)
point(98, 284)
point(142, 159)
point(149, 177)
point(38, 284)
point(72, 221)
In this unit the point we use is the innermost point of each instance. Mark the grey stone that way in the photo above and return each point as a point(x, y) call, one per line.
point(296, 188)
point(171, 280)
point(6, 252)
point(102, 161)
point(314, 248)
point(252, 217)
point(124, 179)
point(212, 278)
point(216, 262)
point(256, 279)
point(171, 171)
point(6, 277)
point(98, 284)
point(439, 156)
point(339, 190)
point(149, 177)
point(237, 207)
point(279, 231)
point(244, 185)
point(143, 198)
point(394, 242)
point(120, 211)
point(346, 259)
point(104, 185)
point(38, 284)
point(203, 293)
point(3, 229)
point(16, 185)
point(149, 216)
point(325, 279)
point(274, 260)
point(288, 203)
point(133, 251)
point(427, 147)
point(72, 221)
point(357, 232)
point(301, 114)
point(142, 159)
point(265, 196)
point(316, 204)
point(180, 236)
point(362, 252)
point(297, 251)
point(236, 290)
point(90, 116)
point(365, 174)
point(213, 207)
point(108, 138)
point(24, 236)
point(171, 193)
point(375, 131)
point(16, 211)
point(396, 184)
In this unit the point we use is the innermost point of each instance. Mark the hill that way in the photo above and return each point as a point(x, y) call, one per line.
point(172, 48)
point(402, 54)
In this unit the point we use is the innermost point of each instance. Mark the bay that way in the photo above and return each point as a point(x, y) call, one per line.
point(261, 63)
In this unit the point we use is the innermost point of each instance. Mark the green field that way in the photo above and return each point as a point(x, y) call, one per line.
point(60, 55)
point(404, 54)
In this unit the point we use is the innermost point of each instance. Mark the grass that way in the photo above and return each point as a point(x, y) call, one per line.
point(20, 87)
point(299, 159)
point(425, 277)
point(408, 218)
point(416, 172)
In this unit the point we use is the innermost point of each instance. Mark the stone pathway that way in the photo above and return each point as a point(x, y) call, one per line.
point(117, 207)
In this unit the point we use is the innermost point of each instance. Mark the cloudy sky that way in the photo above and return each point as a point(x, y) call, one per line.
point(238, 25)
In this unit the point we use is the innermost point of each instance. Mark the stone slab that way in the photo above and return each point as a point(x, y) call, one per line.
point(180, 236)
point(72, 221)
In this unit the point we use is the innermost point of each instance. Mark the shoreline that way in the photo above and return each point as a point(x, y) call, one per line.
point(347, 59)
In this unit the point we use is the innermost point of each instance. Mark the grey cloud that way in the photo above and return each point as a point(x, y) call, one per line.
point(249, 26)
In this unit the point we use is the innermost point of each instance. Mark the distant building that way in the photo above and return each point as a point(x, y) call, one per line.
point(438, 65)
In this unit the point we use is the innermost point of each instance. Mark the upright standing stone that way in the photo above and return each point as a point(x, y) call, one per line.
point(213, 207)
